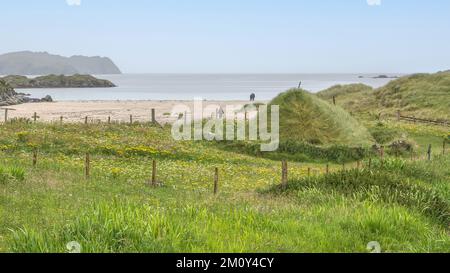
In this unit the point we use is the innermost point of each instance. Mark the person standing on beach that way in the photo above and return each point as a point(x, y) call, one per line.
point(252, 97)
point(220, 113)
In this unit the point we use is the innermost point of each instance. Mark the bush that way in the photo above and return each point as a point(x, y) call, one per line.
point(383, 134)
point(400, 147)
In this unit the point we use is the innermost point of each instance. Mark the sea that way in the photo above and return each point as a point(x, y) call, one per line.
point(204, 86)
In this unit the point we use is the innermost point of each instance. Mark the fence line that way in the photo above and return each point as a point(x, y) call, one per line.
point(422, 120)
point(284, 167)
point(400, 117)
point(85, 119)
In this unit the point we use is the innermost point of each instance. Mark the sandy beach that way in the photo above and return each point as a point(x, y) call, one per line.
point(76, 111)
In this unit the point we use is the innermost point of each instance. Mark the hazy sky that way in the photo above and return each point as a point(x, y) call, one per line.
point(264, 36)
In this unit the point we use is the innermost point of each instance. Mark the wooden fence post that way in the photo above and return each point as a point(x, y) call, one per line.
point(34, 157)
point(154, 173)
point(334, 100)
point(109, 119)
point(35, 117)
point(61, 119)
point(216, 181)
point(327, 169)
point(309, 171)
point(284, 174)
point(86, 120)
point(6, 113)
point(88, 166)
point(153, 116)
point(429, 152)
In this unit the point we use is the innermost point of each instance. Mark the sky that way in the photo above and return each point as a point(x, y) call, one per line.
point(237, 36)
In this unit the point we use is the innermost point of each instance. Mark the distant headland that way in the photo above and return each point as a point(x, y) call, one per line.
point(43, 63)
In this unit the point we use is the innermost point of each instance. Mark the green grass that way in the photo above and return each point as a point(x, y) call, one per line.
point(117, 226)
point(301, 152)
point(421, 95)
point(392, 181)
point(306, 118)
point(342, 90)
point(45, 207)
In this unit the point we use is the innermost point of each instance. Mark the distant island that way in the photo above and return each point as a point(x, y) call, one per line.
point(381, 77)
point(43, 63)
point(56, 81)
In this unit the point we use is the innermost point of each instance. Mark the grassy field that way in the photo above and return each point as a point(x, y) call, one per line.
point(401, 204)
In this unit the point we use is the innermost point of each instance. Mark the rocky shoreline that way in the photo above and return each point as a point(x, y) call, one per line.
point(8, 96)
point(8, 84)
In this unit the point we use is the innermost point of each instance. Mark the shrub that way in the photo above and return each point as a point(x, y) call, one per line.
point(383, 134)
point(23, 137)
point(400, 147)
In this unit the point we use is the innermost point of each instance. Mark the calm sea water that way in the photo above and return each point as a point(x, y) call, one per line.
point(206, 86)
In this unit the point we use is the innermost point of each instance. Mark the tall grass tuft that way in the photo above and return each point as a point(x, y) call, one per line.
point(11, 174)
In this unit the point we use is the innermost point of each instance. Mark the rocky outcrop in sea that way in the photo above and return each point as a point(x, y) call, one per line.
point(8, 96)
